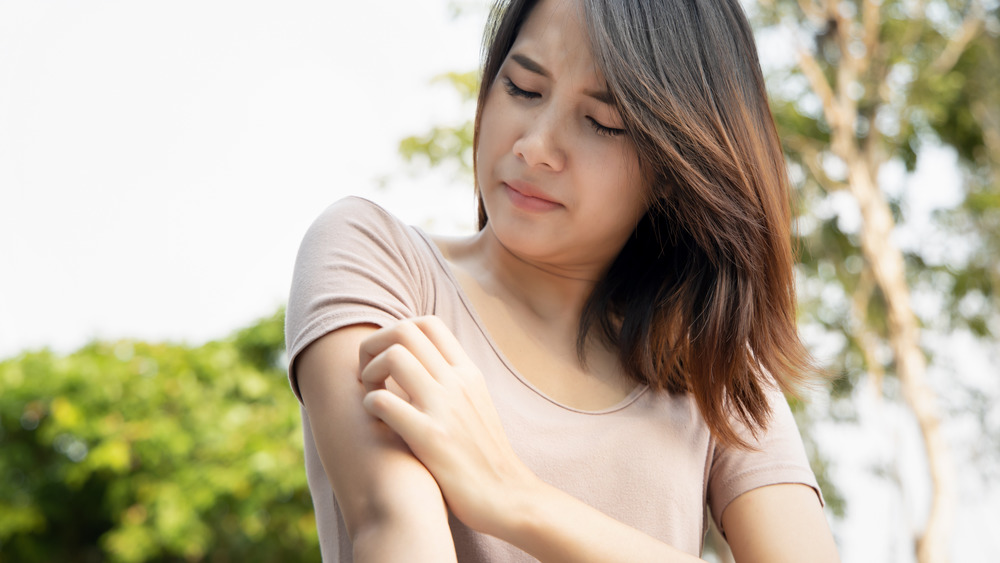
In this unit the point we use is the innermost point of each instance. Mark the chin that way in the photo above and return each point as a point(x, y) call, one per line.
point(523, 242)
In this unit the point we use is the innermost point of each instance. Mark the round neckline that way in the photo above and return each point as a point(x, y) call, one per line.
point(629, 399)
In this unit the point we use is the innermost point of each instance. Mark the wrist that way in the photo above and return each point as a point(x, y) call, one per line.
point(526, 512)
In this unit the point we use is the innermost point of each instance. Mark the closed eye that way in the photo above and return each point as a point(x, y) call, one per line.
point(518, 92)
point(603, 129)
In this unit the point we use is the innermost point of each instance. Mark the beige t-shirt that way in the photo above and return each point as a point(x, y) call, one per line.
point(648, 461)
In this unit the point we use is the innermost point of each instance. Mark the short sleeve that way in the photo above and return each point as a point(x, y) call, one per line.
point(356, 264)
point(778, 457)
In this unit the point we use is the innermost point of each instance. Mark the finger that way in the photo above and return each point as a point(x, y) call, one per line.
point(402, 417)
point(407, 334)
point(397, 362)
point(443, 340)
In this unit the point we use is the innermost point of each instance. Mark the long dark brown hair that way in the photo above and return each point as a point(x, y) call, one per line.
point(701, 299)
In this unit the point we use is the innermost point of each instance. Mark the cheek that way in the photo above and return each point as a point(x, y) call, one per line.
point(487, 144)
point(622, 171)
point(495, 115)
point(635, 173)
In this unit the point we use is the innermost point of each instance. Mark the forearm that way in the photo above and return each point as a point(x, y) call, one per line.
point(413, 538)
point(553, 526)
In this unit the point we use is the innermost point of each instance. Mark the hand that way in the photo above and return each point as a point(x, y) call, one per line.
point(446, 417)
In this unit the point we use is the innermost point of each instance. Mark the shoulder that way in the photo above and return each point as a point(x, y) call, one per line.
point(357, 264)
point(360, 208)
point(778, 441)
point(776, 455)
point(355, 228)
point(359, 214)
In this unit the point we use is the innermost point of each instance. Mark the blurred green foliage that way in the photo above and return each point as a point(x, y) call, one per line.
point(448, 144)
point(132, 451)
point(931, 79)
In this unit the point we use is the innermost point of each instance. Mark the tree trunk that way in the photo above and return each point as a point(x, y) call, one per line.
point(888, 268)
point(884, 258)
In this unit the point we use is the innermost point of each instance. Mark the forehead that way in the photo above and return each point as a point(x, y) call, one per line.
point(555, 34)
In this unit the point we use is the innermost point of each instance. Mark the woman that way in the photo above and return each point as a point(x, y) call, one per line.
point(590, 373)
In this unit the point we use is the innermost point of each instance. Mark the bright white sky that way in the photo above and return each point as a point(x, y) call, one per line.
point(160, 161)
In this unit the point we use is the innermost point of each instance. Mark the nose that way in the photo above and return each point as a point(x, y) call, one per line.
point(539, 144)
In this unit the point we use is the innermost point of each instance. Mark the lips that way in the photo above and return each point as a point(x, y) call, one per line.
point(527, 197)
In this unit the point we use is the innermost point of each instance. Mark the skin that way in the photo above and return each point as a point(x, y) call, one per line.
point(412, 411)
point(545, 129)
point(391, 504)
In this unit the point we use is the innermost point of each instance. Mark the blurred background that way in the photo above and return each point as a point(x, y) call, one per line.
point(159, 163)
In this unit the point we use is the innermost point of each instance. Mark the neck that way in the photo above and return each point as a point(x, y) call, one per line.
point(552, 294)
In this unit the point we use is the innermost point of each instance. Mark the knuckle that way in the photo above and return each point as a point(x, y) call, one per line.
point(467, 373)
point(407, 330)
point(370, 375)
point(378, 400)
point(381, 334)
point(437, 433)
point(395, 352)
point(430, 322)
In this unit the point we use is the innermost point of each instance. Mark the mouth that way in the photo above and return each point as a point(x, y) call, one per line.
point(529, 198)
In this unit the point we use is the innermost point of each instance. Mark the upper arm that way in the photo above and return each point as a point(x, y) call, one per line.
point(778, 523)
point(381, 488)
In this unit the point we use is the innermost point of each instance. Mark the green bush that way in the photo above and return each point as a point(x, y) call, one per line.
point(132, 451)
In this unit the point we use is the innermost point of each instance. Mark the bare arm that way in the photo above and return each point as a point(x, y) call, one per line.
point(451, 425)
point(778, 523)
point(391, 504)
point(773, 524)
point(556, 527)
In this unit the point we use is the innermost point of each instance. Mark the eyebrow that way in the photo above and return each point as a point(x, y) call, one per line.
point(533, 67)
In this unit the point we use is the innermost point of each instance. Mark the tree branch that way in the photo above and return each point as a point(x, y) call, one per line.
point(820, 85)
point(810, 158)
point(970, 28)
point(811, 10)
point(865, 337)
point(872, 20)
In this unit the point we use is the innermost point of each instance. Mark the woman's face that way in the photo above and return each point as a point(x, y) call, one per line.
point(559, 178)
